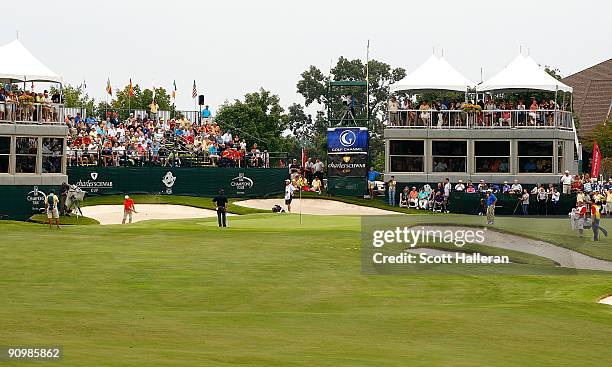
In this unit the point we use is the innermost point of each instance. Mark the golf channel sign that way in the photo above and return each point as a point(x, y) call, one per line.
point(347, 140)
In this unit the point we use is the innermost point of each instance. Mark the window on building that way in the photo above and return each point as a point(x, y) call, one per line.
point(52, 149)
point(406, 155)
point(449, 156)
point(5, 153)
point(535, 156)
point(26, 153)
point(560, 165)
point(492, 156)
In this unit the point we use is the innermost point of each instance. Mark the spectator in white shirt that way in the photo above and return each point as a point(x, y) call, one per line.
point(516, 188)
point(566, 182)
point(460, 186)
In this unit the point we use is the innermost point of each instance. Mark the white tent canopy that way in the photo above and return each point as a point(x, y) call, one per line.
point(434, 74)
point(18, 64)
point(525, 74)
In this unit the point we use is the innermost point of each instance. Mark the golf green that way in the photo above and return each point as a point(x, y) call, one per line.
point(269, 291)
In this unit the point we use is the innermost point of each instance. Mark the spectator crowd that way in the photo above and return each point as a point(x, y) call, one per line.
point(540, 199)
point(405, 112)
point(138, 141)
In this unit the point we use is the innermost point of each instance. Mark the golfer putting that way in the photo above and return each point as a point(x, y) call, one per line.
point(221, 203)
point(128, 209)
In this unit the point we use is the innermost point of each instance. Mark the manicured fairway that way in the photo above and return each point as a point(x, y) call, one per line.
point(270, 292)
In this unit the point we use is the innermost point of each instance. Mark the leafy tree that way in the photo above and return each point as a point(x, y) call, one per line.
point(553, 71)
point(141, 100)
point(441, 96)
point(102, 108)
point(75, 97)
point(300, 124)
point(313, 86)
point(258, 119)
point(602, 134)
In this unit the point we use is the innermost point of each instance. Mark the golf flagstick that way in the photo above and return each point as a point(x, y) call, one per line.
point(300, 205)
point(517, 205)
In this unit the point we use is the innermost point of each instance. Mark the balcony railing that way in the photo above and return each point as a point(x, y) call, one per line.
point(110, 157)
point(31, 113)
point(486, 119)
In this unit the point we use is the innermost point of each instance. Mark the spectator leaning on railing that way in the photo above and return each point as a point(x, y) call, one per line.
point(28, 107)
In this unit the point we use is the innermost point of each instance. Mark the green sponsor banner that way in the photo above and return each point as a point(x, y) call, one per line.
point(237, 182)
point(21, 202)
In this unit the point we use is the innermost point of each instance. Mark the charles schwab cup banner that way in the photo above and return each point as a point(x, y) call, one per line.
point(251, 182)
point(347, 165)
point(347, 139)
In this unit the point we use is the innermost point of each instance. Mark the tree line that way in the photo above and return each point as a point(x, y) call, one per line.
point(260, 118)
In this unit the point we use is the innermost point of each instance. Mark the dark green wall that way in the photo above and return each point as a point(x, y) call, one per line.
point(21, 202)
point(237, 182)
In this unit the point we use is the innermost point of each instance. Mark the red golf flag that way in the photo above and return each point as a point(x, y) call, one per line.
point(131, 89)
point(303, 158)
point(596, 161)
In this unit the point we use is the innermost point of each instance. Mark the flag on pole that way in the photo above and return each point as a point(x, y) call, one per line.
point(174, 90)
point(154, 92)
point(194, 93)
point(303, 158)
point(596, 161)
point(109, 89)
point(131, 88)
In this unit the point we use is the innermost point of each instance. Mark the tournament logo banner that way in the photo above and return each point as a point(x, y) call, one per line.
point(347, 139)
point(347, 165)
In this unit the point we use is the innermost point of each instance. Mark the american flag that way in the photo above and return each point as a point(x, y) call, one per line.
point(194, 93)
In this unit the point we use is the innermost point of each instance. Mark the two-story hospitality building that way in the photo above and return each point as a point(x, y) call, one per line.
point(32, 133)
point(487, 135)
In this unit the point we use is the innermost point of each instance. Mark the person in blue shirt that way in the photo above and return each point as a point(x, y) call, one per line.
point(491, 201)
point(371, 178)
point(506, 188)
point(206, 114)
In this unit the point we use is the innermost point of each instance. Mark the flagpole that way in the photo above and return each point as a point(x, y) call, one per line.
point(368, 82)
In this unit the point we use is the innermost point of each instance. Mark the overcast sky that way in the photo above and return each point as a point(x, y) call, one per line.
point(234, 47)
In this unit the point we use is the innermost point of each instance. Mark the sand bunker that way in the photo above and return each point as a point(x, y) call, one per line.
point(606, 301)
point(315, 206)
point(113, 214)
point(564, 257)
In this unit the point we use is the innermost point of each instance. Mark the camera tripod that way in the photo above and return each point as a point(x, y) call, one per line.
point(347, 115)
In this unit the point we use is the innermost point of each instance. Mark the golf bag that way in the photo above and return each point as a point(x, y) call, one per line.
point(277, 209)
